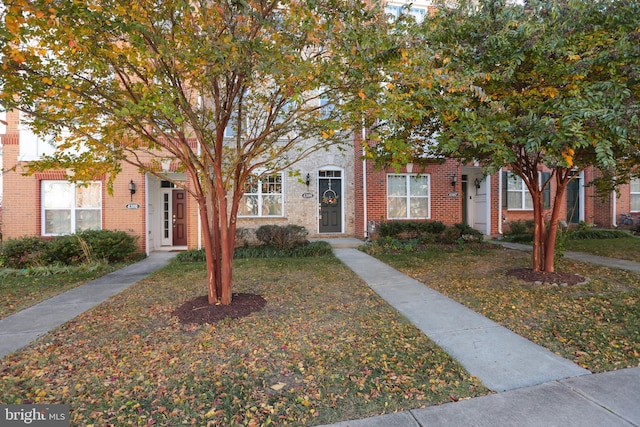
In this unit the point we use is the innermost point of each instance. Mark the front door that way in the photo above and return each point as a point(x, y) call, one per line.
point(330, 186)
point(179, 217)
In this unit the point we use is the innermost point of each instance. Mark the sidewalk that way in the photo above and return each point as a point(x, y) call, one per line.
point(19, 329)
point(536, 387)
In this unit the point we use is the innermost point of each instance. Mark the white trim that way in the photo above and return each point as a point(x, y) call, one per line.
point(408, 177)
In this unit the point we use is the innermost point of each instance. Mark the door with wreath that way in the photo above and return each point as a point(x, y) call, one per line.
point(330, 186)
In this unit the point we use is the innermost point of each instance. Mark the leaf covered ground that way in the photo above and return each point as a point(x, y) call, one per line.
point(324, 348)
point(595, 324)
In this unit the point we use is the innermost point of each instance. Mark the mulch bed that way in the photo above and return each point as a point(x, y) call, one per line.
point(559, 278)
point(199, 311)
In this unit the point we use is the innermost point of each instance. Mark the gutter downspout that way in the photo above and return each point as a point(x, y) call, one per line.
point(614, 209)
point(364, 185)
point(500, 202)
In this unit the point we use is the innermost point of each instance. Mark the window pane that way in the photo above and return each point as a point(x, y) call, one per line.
point(272, 205)
point(272, 185)
point(90, 196)
point(420, 207)
point(635, 202)
point(248, 205)
point(514, 200)
point(397, 185)
point(635, 185)
point(57, 221)
point(528, 201)
point(419, 186)
point(397, 207)
point(57, 195)
point(88, 220)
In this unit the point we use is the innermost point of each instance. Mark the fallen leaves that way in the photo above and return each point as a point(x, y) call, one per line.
point(595, 324)
point(321, 350)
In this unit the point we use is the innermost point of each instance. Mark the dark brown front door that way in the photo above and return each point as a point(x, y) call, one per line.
point(179, 209)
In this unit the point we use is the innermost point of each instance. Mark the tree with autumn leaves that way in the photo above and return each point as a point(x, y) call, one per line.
point(228, 90)
point(552, 84)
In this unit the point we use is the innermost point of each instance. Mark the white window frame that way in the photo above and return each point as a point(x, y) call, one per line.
point(634, 194)
point(394, 11)
point(73, 207)
point(260, 195)
point(408, 197)
point(525, 195)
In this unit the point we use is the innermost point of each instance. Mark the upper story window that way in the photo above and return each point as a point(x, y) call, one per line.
point(263, 197)
point(395, 11)
point(70, 208)
point(408, 196)
point(635, 195)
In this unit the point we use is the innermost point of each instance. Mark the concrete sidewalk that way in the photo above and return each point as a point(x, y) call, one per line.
point(19, 329)
point(536, 387)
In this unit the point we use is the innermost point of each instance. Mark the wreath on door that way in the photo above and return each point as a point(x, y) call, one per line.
point(329, 197)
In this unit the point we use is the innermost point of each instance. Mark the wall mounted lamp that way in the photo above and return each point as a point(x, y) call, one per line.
point(476, 182)
point(132, 188)
point(454, 179)
point(308, 181)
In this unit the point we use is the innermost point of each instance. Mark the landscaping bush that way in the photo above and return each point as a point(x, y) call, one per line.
point(597, 234)
point(282, 237)
point(24, 252)
point(113, 246)
point(310, 249)
point(410, 229)
point(65, 250)
point(87, 246)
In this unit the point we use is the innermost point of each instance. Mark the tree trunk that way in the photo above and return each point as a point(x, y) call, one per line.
point(538, 229)
point(562, 180)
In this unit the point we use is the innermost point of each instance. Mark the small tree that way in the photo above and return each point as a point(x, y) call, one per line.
point(548, 83)
point(227, 88)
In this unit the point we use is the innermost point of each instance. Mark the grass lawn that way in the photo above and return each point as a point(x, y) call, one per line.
point(623, 248)
point(596, 324)
point(23, 290)
point(325, 348)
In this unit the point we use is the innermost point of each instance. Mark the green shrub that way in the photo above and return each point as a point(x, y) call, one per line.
point(410, 229)
point(590, 233)
point(64, 250)
point(110, 245)
point(312, 249)
point(24, 252)
point(87, 246)
point(282, 237)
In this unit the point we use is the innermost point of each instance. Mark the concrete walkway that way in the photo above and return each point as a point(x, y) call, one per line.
point(21, 328)
point(536, 387)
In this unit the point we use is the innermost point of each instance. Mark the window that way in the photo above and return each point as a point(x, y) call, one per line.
point(394, 12)
point(518, 196)
point(408, 196)
point(635, 195)
point(69, 208)
point(263, 197)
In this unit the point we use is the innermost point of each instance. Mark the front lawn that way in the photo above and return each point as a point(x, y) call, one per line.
point(325, 348)
point(21, 289)
point(595, 324)
point(622, 248)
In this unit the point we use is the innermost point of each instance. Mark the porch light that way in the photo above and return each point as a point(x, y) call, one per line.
point(308, 181)
point(454, 179)
point(132, 188)
point(476, 182)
